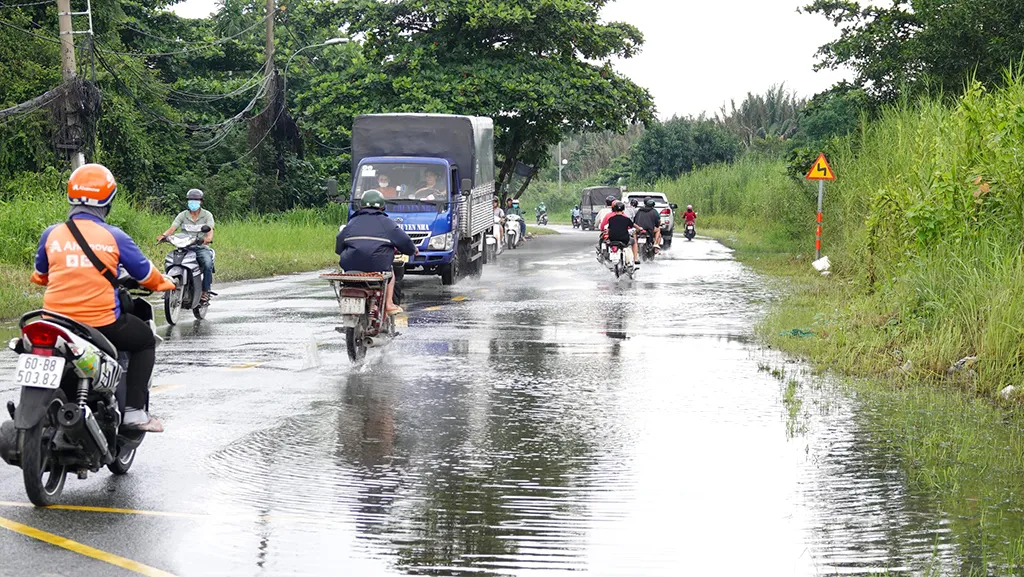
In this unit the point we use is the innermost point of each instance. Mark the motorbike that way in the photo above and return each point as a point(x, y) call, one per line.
point(512, 230)
point(183, 268)
point(577, 221)
point(646, 245)
point(493, 247)
point(542, 218)
point(690, 231)
point(73, 393)
point(362, 298)
point(621, 264)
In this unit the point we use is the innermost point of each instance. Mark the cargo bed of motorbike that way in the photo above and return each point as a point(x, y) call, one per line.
point(356, 276)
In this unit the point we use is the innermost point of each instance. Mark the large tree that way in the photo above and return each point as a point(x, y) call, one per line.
point(538, 67)
point(917, 44)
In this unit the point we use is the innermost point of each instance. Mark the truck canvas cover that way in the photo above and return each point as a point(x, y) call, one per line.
point(592, 200)
point(468, 141)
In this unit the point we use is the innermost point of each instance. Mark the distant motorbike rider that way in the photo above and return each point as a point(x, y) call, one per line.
point(369, 241)
point(575, 212)
point(620, 228)
point(192, 222)
point(540, 209)
point(512, 207)
point(634, 205)
point(689, 216)
point(604, 212)
point(649, 219)
point(76, 289)
point(499, 216)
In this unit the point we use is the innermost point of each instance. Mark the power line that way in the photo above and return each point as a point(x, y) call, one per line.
point(199, 48)
point(27, 4)
point(29, 32)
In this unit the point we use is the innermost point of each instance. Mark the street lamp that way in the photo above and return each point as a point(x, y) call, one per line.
point(560, 167)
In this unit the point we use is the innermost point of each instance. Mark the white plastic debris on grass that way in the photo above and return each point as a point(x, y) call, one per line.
point(822, 265)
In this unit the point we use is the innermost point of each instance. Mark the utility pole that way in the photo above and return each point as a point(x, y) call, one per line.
point(270, 52)
point(69, 72)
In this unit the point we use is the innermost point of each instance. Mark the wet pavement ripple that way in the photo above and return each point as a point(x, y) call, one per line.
point(546, 419)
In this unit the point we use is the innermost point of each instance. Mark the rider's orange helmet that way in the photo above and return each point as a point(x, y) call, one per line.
point(92, 185)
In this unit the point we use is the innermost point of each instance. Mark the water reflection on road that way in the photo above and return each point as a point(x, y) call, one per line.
point(545, 419)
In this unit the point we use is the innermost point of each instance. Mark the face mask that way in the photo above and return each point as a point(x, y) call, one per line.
point(383, 184)
point(193, 205)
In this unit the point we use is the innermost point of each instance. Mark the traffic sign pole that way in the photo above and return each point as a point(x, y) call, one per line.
point(817, 240)
point(821, 172)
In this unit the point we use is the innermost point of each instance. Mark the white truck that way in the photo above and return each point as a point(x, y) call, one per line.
point(663, 207)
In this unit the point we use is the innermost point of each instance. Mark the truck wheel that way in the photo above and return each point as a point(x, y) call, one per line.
point(450, 271)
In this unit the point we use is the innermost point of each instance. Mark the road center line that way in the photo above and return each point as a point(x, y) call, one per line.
point(81, 549)
point(246, 366)
point(431, 309)
point(459, 298)
point(106, 510)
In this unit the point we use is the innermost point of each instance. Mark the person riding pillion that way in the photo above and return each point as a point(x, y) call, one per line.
point(77, 289)
point(369, 241)
point(619, 228)
point(192, 222)
point(649, 219)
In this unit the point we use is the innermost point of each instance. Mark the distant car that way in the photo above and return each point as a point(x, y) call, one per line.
point(663, 207)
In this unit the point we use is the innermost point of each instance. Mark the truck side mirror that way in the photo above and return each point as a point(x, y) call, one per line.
point(466, 186)
point(673, 206)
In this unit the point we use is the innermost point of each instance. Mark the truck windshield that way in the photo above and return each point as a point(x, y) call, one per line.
point(418, 186)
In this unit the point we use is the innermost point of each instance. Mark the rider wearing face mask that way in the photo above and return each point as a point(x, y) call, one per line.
point(192, 221)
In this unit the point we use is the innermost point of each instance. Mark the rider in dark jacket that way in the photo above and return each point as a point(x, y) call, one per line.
point(369, 242)
point(649, 219)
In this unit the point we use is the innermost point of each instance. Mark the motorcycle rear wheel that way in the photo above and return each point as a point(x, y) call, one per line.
point(355, 341)
point(172, 302)
point(37, 463)
point(122, 463)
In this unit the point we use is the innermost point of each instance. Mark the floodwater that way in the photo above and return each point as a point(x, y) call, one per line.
point(546, 419)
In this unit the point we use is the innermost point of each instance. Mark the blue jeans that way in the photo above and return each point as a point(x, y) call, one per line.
point(205, 258)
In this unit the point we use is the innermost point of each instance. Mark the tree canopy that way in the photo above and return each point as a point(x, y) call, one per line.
point(911, 45)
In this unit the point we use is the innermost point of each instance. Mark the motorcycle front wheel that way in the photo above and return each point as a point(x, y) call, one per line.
point(355, 340)
point(172, 302)
point(200, 312)
point(44, 479)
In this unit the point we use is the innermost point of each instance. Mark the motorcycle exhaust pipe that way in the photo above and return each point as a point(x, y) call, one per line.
point(9, 444)
point(81, 428)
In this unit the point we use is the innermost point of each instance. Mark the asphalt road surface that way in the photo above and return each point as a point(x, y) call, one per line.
point(546, 419)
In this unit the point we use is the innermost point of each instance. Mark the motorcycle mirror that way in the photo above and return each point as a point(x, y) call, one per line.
point(673, 206)
point(466, 186)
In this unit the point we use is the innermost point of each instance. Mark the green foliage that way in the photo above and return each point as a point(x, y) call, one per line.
point(908, 46)
point(538, 67)
point(769, 117)
point(679, 146)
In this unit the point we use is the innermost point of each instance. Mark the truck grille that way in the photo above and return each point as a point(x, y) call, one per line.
point(418, 237)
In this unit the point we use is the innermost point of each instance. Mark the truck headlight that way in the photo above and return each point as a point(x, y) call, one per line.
point(441, 242)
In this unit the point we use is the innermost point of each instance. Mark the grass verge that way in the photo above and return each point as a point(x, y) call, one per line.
point(257, 247)
point(540, 230)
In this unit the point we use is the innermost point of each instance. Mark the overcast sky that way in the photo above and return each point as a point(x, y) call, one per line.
point(699, 54)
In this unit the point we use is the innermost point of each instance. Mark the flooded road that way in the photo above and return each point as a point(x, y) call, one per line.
point(546, 419)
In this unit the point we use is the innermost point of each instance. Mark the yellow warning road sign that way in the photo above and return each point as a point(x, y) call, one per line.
point(821, 170)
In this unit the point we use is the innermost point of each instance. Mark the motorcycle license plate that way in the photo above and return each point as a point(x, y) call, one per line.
point(352, 306)
point(641, 240)
point(39, 371)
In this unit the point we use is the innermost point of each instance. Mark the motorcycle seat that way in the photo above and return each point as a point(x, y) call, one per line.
point(619, 244)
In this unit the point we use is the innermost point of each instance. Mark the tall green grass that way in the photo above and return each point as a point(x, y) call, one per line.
point(258, 246)
point(924, 228)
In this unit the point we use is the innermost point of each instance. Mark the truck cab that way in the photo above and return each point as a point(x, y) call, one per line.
point(422, 196)
point(436, 173)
